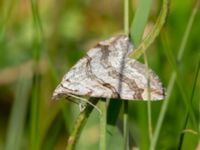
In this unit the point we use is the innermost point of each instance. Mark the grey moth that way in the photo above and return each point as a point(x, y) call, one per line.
point(106, 71)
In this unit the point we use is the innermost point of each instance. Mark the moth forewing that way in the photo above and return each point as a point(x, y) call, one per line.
point(107, 72)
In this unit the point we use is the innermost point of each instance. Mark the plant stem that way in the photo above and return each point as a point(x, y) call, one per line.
point(163, 111)
point(35, 105)
point(125, 125)
point(80, 122)
point(126, 17)
point(125, 116)
point(103, 122)
point(149, 98)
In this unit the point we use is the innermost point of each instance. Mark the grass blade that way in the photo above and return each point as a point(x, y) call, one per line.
point(80, 122)
point(173, 78)
point(113, 111)
point(35, 102)
point(125, 115)
point(103, 105)
point(140, 20)
point(35, 114)
point(163, 111)
point(154, 33)
point(191, 100)
point(18, 115)
point(149, 97)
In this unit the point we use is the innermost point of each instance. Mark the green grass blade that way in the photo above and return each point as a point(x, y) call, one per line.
point(103, 106)
point(172, 80)
point(35, 114)
point(125, 115)
point(184, 95)
point(80, 122)
point(163, 111)
point(126, 126)
point(140, 20)
point(188, 29)
point(54, 133)
point(149, 97)
point(113, 111)
point(18, 115)
point(191, 100)
point(35, 102)
point(154, 33)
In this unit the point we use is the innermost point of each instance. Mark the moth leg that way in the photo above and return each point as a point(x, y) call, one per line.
point(84, 102)
point(82, 106)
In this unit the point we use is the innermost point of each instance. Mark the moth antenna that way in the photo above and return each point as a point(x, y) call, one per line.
point(86, 101)
point(71, 100)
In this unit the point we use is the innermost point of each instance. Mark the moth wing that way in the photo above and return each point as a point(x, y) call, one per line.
point(80, 81)
point(140, 74)
point(105, 72)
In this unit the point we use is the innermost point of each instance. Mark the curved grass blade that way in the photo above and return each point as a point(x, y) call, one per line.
point(140, 20)
point(154, 33)
point(173, 77)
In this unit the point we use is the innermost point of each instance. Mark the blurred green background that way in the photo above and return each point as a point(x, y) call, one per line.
point(41, 40)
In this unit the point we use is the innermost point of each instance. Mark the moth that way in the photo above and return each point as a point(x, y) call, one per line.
point(106, 71)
